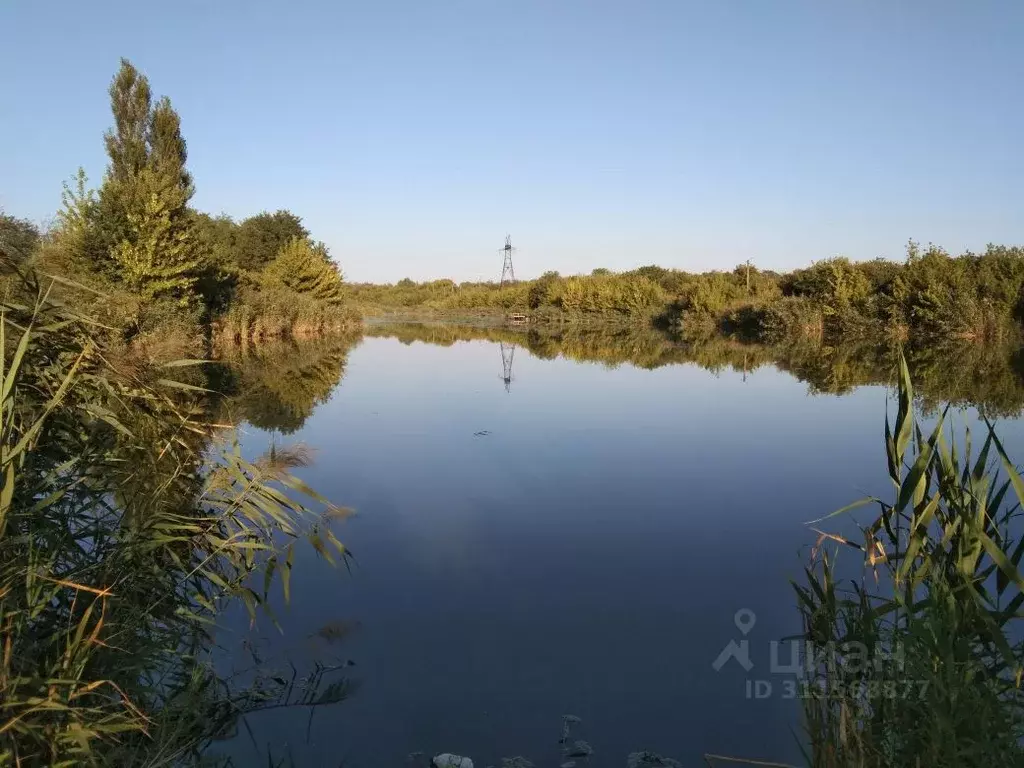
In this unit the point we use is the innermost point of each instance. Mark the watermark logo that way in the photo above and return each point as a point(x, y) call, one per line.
point(803, 669)
point(745, 619)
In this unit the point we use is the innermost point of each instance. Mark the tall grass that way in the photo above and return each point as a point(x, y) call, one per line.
point(120, 543)
point(939, 594)
point(276, 312)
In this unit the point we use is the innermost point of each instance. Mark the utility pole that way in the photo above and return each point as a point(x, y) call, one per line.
point(748, 277)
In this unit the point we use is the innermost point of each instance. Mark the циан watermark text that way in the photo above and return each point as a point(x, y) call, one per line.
point(799, 669)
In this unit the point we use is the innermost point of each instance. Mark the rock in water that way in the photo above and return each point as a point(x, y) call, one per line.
point(650, 760)
point(446, 760)
point(579, 749)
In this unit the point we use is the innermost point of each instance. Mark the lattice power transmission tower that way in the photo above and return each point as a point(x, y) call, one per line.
point(508, 274)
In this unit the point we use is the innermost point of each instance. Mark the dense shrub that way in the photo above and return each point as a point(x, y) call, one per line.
point(543, 291)
point(18, 237)
point(276, 311)
point(306, 268)
point(610, 293)
point(791, 317)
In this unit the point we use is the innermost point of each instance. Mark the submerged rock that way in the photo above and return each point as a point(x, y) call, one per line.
point(579, 749)
point(515, 762)
point(446, 760)
point(568, 721)
point(647, 759)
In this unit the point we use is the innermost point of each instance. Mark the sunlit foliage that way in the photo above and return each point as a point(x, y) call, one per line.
point(135, 255)
point(930, 295)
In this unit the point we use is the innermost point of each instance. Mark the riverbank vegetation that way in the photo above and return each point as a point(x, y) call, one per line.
point(124, 532)
point(550, 297)
point(919, 658)
point(930, 295)
point(135, 256)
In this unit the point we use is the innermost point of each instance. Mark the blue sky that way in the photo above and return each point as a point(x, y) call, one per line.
point(411, 136)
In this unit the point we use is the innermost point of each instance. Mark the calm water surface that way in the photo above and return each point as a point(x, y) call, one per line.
point(577, 542)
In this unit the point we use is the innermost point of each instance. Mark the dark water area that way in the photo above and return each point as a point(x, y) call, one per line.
point(564, 524)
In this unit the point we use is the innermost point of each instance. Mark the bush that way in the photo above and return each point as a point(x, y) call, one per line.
point(275, 311)
point(610, 293)
point(787, 318)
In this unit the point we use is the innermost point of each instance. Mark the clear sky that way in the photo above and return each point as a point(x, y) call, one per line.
point(412, 136)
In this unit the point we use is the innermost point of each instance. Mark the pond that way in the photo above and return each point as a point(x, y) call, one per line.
point(567, 523)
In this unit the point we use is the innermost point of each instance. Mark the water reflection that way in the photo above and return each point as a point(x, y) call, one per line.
point(276, 386)
point(483, 594)
point(508, 355)
point(989, 377)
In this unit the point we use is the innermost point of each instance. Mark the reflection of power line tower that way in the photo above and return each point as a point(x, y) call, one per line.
point(508, 274)
point(507, 356)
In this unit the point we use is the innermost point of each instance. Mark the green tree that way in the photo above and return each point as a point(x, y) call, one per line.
point(218, 279)
point(160, 254)
point(167, 150)
point(76, 244)
point(307, 268)
point(130, 101)
point(651, 272)
point(542, 290)
point(131, 104)
point(260, 238)
point(151, 232)
point(18, 237)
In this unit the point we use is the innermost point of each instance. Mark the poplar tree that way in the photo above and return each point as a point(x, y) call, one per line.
point(130, 101)
point(152, 235)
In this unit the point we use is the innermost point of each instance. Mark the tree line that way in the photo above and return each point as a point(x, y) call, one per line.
point(137, 256)
point(930, 294)
point(551, 295)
